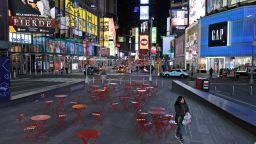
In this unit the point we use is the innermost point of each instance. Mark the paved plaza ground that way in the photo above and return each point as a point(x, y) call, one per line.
point(207, 127)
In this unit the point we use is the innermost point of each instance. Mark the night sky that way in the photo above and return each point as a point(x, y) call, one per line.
point(128, 19)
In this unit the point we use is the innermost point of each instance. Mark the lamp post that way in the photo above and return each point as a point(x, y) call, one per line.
point(253, 45)
point(150, 48)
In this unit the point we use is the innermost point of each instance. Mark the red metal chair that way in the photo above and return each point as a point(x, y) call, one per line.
point(97, 115)
point(48, 105)
point(28, 128)
point(124, 101)
point(93, 97)
point(137, 106)
point(61, 117)
point(114, 105)
point(144, 125)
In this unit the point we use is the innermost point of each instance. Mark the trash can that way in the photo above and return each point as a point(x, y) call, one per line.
point(202, 84)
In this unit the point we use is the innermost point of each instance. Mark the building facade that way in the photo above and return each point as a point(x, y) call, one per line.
point(226, 38)
point(60, 34)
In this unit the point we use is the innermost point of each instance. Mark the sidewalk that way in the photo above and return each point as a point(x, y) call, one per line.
point(207, 127)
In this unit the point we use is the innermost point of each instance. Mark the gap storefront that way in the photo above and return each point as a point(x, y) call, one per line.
point(227, 37)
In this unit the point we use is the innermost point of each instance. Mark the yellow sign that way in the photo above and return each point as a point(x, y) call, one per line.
point(83, 19)
point(104, 31)
point(70, 11)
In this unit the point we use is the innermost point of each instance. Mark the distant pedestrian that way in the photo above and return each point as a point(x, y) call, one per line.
point(210, 72)
point(181, 109)
point(66, 70)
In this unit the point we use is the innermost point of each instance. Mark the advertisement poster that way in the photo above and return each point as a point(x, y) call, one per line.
point(179, 18)
point(196, 10)
point(144, 12)
point(4, 78)
point(60, 46)
point(213, 5)
point(39, 44)
point(32, 8)
point(35, 16)
point(49, 43)
point(144, 42)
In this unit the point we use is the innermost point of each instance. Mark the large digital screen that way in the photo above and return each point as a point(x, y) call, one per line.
point(144, 42)
point(213, 5)
point(167, 47)
point(144, 1)
point(144, 12)
point(217, 34)
point(35, 16)
point(196, 10)
point(179, 18)
point(35, 8)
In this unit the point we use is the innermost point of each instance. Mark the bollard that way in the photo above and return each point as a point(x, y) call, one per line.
point(41, 72)
point(130, 80)
point(233, 90)
point(215, 88)
point(93, 80)
point(14, 75)
point(162, 83)
point(102, 81)
point(251, 91)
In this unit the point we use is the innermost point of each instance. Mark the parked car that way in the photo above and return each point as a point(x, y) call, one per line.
point(175, 73)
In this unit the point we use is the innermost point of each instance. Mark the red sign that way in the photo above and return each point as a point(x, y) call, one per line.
point(118, 45)
point(153, 50)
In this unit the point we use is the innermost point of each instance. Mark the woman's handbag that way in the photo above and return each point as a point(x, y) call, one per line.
point(187, 119)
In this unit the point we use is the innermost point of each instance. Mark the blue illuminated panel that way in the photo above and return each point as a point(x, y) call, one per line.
point(240, 32)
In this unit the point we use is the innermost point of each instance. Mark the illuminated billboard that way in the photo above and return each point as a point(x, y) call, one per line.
point(154, 35)
point(38, 8)
point(167, 47)
point(144, 42)
point(213, 5)
point(32, 24)
point(104, 32)
point(144, 1)
point(196, 10)
point(20, 38)
point(179, 18)
point(144, 12)
point(32, 16)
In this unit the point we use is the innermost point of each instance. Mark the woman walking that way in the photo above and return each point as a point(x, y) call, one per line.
point(181, 108)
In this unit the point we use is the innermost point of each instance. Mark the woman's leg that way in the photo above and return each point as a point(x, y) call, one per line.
point(178, 130)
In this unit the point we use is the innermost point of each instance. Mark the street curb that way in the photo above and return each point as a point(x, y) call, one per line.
point(44, 94)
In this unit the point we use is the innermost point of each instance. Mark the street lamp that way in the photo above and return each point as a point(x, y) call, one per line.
point(150, 48)
point(253, 44)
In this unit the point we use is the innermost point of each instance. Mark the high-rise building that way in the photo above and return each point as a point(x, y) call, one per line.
point(60, 34)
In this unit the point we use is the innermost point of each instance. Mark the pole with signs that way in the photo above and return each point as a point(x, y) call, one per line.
point(150, 49)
